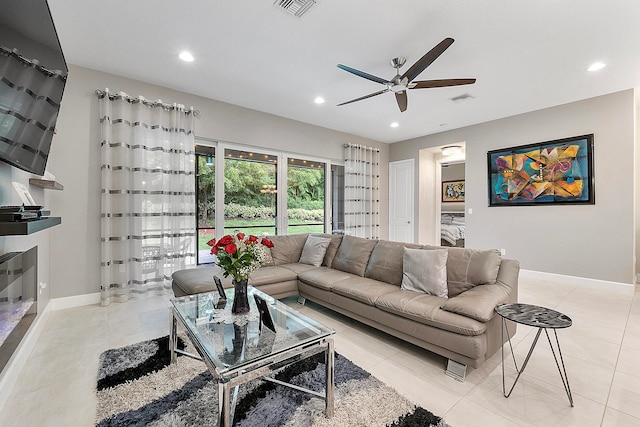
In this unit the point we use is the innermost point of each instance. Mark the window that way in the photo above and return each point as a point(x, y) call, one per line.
point(261, 193)
point(305, 196)
point(250, 192)
point(337, 199)
point(206, 200)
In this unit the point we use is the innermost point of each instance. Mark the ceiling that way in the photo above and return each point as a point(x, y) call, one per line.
point(526, 55)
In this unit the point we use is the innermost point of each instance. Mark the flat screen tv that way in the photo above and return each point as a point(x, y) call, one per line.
point(33, 73)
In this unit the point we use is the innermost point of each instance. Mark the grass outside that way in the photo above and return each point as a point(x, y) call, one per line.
point(257, 228)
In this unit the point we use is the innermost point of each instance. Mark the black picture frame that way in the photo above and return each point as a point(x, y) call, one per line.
point(220, 288)
point(265, 314)
point(557, 172)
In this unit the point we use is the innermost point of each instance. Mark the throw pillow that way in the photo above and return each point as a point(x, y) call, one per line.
point(314, 249)
point(353, 255)
point(467, 268)
point(287, 249)
point(425, 271)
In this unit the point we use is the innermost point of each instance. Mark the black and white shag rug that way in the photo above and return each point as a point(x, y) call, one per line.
point(138, 387)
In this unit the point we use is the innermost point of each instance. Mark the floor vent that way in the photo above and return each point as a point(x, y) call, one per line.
point(295, 7)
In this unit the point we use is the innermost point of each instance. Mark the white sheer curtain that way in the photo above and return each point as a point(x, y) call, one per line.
point(361, 191)
point(148, 195)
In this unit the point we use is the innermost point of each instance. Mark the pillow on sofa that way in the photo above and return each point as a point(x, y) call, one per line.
point(467, 268)
point(353, 254)
point(287, 249)
point(385, 263)
point(332, 249)
point(425, 271)
point(314, 250)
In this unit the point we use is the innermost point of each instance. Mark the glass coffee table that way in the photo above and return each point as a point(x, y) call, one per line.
point(240, 348)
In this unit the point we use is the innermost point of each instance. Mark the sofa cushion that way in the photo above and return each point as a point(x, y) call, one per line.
point(363, 289)
point(314, 250)
point(425, 309)
point(332, 249)
point(323, 277)
point(385, 262)
point(287, 249)
point(353, 254)
point(194, 280)
point(271, 274)
point(467, 268)
point(425, 271)
point(297, 267)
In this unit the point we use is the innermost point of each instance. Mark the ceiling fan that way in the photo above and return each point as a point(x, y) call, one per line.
point(400, 83)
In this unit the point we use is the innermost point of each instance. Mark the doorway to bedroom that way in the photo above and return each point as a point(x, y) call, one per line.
point(452, 203)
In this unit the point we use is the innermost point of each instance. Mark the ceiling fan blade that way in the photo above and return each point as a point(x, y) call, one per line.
point(364, 97)
point(427, 59)
point(425, 84)
point(363, 74)
point(401, 98)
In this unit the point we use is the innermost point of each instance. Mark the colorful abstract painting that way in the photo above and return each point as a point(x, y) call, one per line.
point(551, 172)
point(453, 191)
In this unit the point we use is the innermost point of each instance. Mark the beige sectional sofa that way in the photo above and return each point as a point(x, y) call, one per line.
point(363, 279)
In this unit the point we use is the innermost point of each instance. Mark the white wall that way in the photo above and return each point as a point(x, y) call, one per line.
point(75, 160)
point(593, 241)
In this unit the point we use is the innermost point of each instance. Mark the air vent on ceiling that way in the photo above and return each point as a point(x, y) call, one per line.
point(295, 7)
point(461, 98)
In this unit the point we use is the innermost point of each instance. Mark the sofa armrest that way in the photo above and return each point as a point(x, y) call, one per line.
point(479, 302)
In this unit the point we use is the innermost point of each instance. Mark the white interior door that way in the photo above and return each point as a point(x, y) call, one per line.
point(401, 222)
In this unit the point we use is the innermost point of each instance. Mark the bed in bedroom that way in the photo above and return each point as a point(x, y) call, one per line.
point(452, 229)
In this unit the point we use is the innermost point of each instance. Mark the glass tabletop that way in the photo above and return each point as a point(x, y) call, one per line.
point(231, 341)
point(534, 315)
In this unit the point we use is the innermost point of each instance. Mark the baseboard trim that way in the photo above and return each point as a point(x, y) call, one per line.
point(74, 301)
point(21, 354)
point(574, 280)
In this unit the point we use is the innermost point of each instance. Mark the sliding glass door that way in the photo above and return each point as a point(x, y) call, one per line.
point(206, 200)
point(250, 192)
point(305, 196)
point(260, 193)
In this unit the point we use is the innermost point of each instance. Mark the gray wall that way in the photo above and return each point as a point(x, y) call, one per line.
point(75, 161)
point(592, 241)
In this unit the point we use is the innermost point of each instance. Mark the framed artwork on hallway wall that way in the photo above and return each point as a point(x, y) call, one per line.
point(551, 172)
point(453, 191)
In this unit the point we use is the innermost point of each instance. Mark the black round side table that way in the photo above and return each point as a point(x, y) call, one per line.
point(543, 319)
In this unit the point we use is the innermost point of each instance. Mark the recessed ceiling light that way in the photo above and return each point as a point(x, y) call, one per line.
point(395, 124)
point(319, 100)
point(186, 56)
point(596, 66)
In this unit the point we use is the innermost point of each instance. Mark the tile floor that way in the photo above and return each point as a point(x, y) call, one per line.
point(601, 350)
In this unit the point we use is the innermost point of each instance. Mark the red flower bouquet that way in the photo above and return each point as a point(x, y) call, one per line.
point(240, 255)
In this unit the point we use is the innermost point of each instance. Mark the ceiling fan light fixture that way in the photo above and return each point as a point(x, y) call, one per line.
point(394, 124)
point(319, 100)
point(451, 150)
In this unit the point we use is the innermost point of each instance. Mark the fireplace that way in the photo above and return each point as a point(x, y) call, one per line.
point(18, 299)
